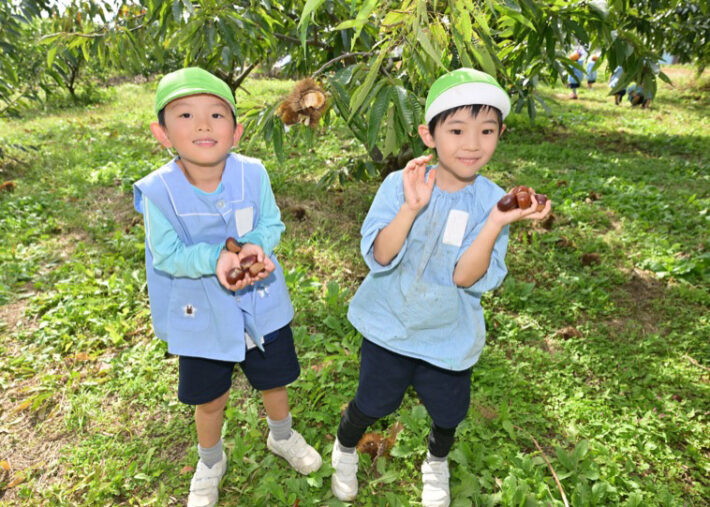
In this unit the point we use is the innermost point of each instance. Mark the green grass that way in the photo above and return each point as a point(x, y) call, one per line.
point(597, 345)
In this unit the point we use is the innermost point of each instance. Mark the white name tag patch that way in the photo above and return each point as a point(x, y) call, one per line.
point(245, 219)
point(455, 227)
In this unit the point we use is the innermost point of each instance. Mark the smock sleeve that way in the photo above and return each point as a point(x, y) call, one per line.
point(497, 269)
point(267, 232)
point(171, 255)
point(386, 204)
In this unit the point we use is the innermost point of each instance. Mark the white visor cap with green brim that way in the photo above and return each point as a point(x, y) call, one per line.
point(465, 87)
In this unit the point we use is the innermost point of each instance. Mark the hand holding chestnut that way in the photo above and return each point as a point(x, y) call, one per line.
point(247, 265)
point(239, 265)
point(520, 197)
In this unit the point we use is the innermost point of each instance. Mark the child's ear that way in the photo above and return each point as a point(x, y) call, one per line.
point(238, 131)
point(502, 129)
point(160, 134)
point(426, 136)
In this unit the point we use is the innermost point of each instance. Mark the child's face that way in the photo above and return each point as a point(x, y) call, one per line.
point(464, 144)
point(200, 128)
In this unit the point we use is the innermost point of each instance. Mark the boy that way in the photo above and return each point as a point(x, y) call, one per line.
point(191, 206)
point(637, 96)
point(434, 241)
point(614, 82)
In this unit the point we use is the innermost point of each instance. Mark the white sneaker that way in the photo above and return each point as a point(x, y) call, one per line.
point(204, 487)
point(435, 476)
point(344, 479)
point(302, 457)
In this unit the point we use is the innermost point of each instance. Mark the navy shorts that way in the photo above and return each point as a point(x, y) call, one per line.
point(203, 380)
point(386, 375)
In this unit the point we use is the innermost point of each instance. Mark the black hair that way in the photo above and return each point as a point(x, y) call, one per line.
point(474, 109)
point(161, 117)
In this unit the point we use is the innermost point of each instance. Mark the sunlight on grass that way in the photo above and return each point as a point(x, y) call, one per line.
point(597, 341)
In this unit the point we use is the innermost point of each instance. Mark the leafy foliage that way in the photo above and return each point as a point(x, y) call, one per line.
point(377, 59)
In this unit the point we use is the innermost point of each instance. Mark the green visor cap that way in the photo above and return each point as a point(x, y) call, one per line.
point(191, 81)
point(464, 87)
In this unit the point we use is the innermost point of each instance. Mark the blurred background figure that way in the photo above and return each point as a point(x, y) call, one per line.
point(575, 78)
point(591, 71)
point(639, 97)
point(614, 81)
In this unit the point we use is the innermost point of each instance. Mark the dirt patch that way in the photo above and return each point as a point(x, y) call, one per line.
point(640, 295)
point(11, 314)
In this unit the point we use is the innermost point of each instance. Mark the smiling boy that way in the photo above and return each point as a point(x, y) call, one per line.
point(434, 241)
point(191, 205)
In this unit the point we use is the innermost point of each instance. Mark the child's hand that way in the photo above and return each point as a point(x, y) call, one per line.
point(228, 261)
point(417, 189)
point(502, 218)
point(254, 249)
point(225, 263)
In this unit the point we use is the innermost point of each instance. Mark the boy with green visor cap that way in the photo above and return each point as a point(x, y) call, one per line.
point(191, 205)
point(434, 241)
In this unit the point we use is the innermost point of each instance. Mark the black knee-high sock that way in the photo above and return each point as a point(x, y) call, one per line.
point(440, 440)
point(353, 425)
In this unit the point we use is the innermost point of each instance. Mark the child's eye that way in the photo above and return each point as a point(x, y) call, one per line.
point(217, 115)
point(456, 132)
point(185, 115)
point(488, 132)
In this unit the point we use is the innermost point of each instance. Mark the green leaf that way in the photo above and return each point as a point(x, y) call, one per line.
point(351, 23)
point(308, 9)
point(403, 110)
point(51, 54)
point(364, 89)
point(278, 138)
point(428, 48)
point(665, 78)
point(508, 426)
point(484, 59)
point(377, 113)
point(391, 134)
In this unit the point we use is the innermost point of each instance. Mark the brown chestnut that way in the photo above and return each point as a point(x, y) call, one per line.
point(523, 199)
point(507, 202)
point(520, 188)
point(541, 201)
point(256, 268)
point(247, 261)
point(233, 245)
point(235, 275)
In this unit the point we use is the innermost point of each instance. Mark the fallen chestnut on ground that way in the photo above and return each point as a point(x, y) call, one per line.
point(521, 197)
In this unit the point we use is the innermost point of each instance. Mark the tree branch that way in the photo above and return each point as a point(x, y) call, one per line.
point(341, 57)
point(297, 40)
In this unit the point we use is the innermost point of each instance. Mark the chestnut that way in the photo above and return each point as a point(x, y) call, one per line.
point(233, 245)
point(247, 261)
point(507, 202)
point(256, 268)
point(523, 199)
point(541, 201)
point(520, 188)
point(235, 275)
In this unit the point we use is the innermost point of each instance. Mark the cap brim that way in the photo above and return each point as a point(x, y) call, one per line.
point(186, 92)
point(467, 94)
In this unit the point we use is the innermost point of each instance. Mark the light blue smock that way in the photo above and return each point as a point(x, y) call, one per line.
point(412, 306)
point(591, 72)
point(197, 316)
point(616, 77)
point(637, 88)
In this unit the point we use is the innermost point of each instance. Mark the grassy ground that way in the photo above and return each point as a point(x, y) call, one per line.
point(597, 357)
